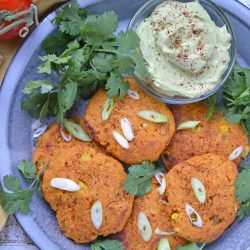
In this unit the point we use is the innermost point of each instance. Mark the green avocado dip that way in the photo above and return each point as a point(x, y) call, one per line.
point(185, 52)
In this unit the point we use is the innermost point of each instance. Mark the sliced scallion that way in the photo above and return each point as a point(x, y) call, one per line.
point(199, 190)
point(144, 226)
point(108, 107)
point(236, 153)
point(133, 94)
point(127, 129)
point(161, 180)
point(159, 232)
point(193, 216)
point(76, 130)
point(121, 140)
point(65, 137)
point(188, 125)
point(96, 214)
point(64, 184)
point(163, 244)
point(39, 131)
point(152, 116)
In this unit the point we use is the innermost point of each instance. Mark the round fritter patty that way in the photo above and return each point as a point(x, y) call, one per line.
point(158, 213)
point(216, 136)
point(150, 138)
point(101, 179)
point(220, 208)
point(51, 141)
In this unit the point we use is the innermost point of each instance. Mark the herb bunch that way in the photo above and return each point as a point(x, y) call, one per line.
point(17, 199)
point(86, 55)
point(236, 98)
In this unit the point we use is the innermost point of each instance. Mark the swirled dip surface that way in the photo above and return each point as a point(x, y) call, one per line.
point(185, 52)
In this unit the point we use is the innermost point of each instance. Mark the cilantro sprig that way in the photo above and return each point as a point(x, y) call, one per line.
point(107, 245)
point(236, 98)
point(242, 185)
point(85, 55)
point(17, 199)
point(138, 181)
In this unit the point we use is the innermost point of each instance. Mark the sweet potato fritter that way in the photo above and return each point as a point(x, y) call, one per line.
point(220, 208)
point(216, 136)
point(158, 214)
point(150, 138)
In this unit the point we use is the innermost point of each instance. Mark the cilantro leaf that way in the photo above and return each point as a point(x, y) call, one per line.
point(67, 95)
point(98, 29)
point(50, 61)
point(140, 66)
point(28, 169)
point(244, 209)
point(103, 62)
point(191, 246)
point(55, 43)
point(242, 185)
point(70, 18)
point(17, 199)
point(34, 103)
point(211, 105)
point(66, 98)
point(129, 41)
point(116, 86)
point(74, 45)
point(128, 57)
point(107, 245)
point(43, 85)
point(12, 183)
point(138, 181)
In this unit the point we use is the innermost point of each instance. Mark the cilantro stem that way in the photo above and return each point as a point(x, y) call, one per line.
point(231, 100)
point(105, 50)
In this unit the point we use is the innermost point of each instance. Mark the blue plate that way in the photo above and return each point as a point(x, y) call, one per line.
point(15, 126)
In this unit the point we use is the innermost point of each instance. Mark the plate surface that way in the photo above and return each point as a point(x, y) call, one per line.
point(15, 125)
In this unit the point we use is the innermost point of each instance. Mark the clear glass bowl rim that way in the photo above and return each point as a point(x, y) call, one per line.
point(173, 100)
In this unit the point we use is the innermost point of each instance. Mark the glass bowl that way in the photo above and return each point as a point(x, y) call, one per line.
point(220, 19)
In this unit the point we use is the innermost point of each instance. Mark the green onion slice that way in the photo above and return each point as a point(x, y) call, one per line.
point(133, 94)
point(236, 153)
point(64, 184)
point(96, 214)
point(152, 116)
point(159, 232)
point(76, 130)
point(188, 124)
point(161, 180)
point(199, 190)
point(127, 129)
point(121, 140)
point(193, 216)
point(144, 226)
point(108, 107)
point(163, 244)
